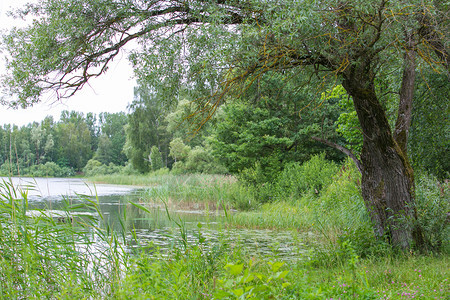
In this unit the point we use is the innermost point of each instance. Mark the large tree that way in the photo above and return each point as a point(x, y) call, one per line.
point(357, 43)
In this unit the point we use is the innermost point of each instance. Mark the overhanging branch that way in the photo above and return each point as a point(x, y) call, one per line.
point(344, 150)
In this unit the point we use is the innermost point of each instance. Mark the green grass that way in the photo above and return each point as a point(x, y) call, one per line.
point(217, 191)
point(195, 273)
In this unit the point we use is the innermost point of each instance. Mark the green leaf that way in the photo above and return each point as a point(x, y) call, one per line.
point(222, 294)
point(234, 269)
point(141, 207)
point(280, 275)
point(238, 292)
point(276, 265)
point(247, 279)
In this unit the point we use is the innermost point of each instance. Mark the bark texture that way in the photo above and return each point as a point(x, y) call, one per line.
point(387, 177)
point(406, 97)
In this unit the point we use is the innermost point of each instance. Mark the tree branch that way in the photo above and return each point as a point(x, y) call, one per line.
point(344, 150)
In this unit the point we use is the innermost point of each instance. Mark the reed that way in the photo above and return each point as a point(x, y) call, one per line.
point(45, 255)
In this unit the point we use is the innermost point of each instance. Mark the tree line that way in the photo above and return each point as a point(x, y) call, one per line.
point(62, 148)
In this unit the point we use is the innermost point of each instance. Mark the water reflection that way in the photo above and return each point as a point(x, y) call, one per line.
point(154, 228)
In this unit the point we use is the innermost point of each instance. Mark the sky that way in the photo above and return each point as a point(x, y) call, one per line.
point(111, 92)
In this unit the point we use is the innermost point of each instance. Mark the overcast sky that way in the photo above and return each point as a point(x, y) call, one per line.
point(111, 92)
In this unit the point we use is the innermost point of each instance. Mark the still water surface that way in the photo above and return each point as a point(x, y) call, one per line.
point(157, 228)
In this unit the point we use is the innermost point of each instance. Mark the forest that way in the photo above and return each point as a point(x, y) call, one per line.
point(328, 117)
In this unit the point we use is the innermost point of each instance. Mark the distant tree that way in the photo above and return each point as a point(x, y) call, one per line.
point(147, 127)
point(179, 150)
point(37, 136)
point(73, 140)
point(112, 138)
point(155, 158)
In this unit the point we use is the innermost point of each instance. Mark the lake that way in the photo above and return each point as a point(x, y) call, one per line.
point(160, 228)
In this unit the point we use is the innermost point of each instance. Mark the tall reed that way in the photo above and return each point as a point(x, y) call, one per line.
point(45, 254)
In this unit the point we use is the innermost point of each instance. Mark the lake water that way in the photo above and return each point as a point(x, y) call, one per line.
point(155, 228)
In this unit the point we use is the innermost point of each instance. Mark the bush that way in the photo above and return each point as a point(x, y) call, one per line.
point(94, 167)
point(432, 206)
point(160, 172)
point(128, 169)
point(7, 169)
point(265, 170)
point(198, 161)
point(49, 169)
point(312, 176)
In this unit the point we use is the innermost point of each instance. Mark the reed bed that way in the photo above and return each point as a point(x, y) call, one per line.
point(44, 255)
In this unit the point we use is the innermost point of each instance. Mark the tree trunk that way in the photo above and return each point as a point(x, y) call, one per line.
point(403, 123)
point(387, 178)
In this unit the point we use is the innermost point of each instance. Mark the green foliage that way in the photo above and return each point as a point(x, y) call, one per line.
point(181, 125)
point(178, 150)
point(311, 176)
point(129, 170)
point(336, 205)
point(70, 143)
point(348, 123)
point(147, 128)
point(94, 168)
point(246, 135)
point(198, 160)
point(137, 157)
point(112, 138)
point(433, 206)
point(8, 169)
point(265, 170)
point(49, 169)
point(261, 135)
point(155, 158)
point(246, 283)
point(429, 140)
point(73, 139)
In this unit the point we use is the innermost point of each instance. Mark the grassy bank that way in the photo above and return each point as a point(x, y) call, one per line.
point(43, 256)
point(198, 275)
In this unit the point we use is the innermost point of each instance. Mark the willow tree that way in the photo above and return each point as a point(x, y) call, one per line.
point(220, 45)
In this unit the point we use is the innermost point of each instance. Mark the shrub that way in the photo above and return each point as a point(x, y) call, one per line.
point(129, 170)
point(7, 169)
point(160, 172)
point(312, 176)
point(199, 160)
point(432, 206)
point(49, 169)
point(94, 167)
